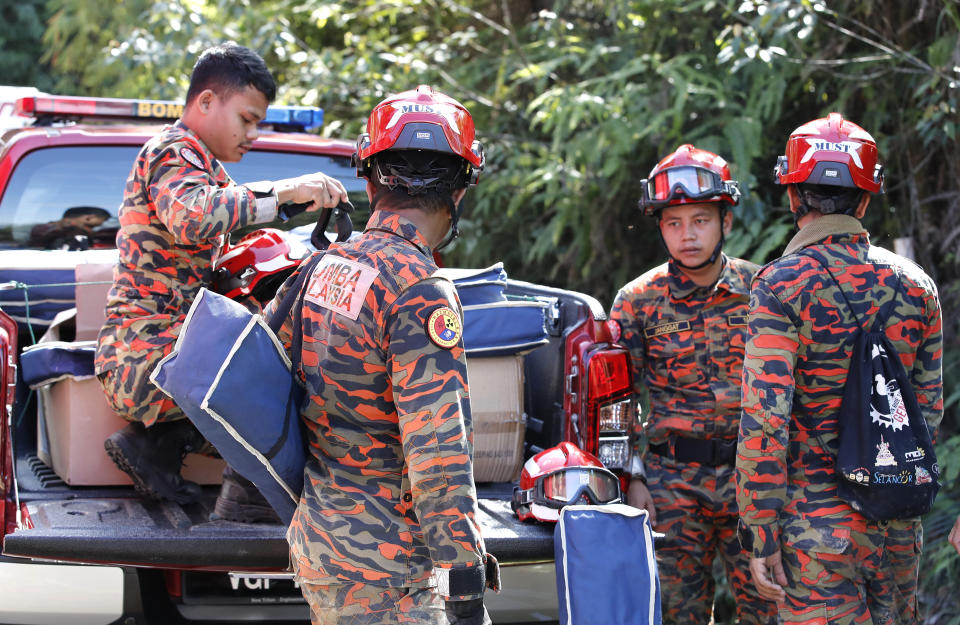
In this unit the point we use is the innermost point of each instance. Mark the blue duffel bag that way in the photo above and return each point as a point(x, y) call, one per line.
point(606, 571)
point(231, 376)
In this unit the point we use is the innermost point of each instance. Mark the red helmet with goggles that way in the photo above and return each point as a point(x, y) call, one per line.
point(420, 122)
point(258, 264)
point(687, 176)
point(831, 151)
point(561, 476)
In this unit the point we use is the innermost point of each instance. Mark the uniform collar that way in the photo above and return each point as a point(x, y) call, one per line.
point(184, 129)
point(822, 227)
point(394, 223)
point(681, 286)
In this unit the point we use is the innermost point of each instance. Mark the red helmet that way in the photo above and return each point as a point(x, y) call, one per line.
point(421, 120)
point(831, 151)
point(687, 176)
point(258, 264)
point(560, 476)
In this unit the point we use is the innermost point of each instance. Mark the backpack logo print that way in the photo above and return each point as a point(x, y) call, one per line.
point(884, 457)
point(897, 416)
point(923, 476)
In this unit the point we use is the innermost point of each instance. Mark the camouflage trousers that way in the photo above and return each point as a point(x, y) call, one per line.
point(858, 572)
point(363, 604)
point(134, 397)
point(696, 509)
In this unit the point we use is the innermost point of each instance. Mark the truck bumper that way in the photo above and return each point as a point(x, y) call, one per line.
point(65, 594)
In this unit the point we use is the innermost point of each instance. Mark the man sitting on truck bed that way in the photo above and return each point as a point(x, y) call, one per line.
point(178, 204)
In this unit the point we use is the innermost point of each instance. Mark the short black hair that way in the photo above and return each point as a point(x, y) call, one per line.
point(228, 68)
point(830, 199)
point(80, 211)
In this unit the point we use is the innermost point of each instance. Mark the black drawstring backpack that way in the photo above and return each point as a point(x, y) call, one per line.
point(886, 466)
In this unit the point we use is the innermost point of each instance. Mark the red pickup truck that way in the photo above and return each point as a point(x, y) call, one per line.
point(118, 558)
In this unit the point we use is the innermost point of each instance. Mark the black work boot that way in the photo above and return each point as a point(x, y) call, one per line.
point(240, 501)
point(152, 457)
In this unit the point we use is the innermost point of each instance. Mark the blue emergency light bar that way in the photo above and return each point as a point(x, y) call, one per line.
point(68, 107)
point(306, 117)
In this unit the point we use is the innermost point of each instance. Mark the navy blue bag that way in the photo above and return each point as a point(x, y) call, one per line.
point(231, 376)
point(886, 466)
point(606, 570)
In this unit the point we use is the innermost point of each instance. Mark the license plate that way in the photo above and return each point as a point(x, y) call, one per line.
point(240, 588)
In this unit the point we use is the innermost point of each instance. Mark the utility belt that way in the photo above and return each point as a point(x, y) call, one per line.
point(712, 452)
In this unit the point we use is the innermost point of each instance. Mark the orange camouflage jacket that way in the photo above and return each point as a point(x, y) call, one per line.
point(177, 205)
point(389, 497)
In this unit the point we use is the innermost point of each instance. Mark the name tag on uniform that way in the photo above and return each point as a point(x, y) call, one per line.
point(340, 285)
point(737, 320)
point(666, 328)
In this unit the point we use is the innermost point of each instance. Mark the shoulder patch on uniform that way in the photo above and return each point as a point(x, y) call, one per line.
point(192, 157)
point(444, 327)
point(737, 320)
point(666, 328)
point(340, 285)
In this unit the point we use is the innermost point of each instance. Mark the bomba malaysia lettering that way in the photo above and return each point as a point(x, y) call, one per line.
point(340, 285)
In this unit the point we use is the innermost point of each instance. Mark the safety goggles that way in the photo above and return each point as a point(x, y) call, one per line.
point(689, 181)
point(570, 485)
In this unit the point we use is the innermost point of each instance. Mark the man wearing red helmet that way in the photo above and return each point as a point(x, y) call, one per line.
point(386, 530)
point(685, 325)
point(821, 560)
point(178, 205)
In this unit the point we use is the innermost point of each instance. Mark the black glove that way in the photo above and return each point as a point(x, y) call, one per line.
point(469, 612)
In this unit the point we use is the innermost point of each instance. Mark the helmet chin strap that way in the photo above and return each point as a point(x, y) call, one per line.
point(454, 228)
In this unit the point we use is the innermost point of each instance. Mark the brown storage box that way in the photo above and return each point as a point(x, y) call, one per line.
point(499, 423)
point(78, 419)
point(92, 298)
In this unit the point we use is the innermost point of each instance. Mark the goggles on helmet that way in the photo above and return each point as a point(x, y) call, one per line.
point(569, 486)
point(689, 182)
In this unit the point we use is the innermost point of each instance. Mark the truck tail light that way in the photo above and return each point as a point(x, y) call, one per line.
point(610, 406)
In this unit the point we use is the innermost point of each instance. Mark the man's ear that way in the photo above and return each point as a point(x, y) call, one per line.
point(458, 196)
point(206, 100)
point(862, 206)
point(727, 222)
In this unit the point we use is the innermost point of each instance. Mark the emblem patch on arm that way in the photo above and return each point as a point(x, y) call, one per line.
point(340, 285)
point(192, 157)
point(444, 328)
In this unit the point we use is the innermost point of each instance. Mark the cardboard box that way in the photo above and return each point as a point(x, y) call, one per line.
point(93, 284)
point(499, 423)
point(77, 419)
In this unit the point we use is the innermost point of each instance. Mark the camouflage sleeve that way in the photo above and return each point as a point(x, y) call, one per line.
point(433, 406)
point(631, 337)
point(191, 204)
point(767, 390)
point(927, 372)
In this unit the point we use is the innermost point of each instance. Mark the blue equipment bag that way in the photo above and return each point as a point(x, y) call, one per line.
point(606, 571)
point(46, 363)
point(493, 323)
point(231, 376)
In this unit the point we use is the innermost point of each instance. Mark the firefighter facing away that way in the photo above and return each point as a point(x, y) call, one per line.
point(386, 530)
point(178, 205)
point(821, 560)
point(684, 323)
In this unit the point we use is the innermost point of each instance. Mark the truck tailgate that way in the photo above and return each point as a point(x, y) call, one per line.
point(162, 534)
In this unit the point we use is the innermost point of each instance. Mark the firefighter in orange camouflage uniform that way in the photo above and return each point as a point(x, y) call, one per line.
point(822, 561)
point(386, 530)
point(178, 204)
point(685, 323)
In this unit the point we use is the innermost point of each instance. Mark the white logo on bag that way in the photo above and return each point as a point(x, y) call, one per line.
point(914, 456)
point(884, 457)
point(897, 417)
point(340, 285)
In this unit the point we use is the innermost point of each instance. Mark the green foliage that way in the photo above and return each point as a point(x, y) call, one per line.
point(576, 100)
point(21, 31)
